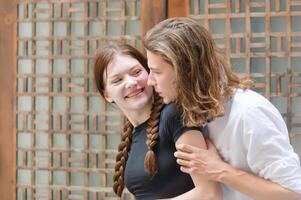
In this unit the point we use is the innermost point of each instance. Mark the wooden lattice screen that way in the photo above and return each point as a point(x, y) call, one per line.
point(67, 136)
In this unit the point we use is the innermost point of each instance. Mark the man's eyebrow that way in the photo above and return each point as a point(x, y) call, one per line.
point(153, 68)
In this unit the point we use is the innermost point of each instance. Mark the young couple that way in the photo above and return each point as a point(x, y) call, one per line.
point(184, 89)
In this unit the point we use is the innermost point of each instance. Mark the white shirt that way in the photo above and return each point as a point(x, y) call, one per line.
point(252, 136)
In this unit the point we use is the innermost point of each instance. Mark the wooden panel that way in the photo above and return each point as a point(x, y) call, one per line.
point(152, 12)
point(8, 15)
point(178, 8)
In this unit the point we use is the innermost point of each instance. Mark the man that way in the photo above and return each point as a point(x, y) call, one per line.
point(187, 68)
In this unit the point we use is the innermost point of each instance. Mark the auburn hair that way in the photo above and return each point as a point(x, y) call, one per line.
point(204, 79)
point(102, 59)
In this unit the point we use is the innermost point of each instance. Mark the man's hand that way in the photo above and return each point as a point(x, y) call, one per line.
point(206, 163)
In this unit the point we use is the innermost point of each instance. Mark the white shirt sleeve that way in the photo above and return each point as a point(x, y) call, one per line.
point(269, 152)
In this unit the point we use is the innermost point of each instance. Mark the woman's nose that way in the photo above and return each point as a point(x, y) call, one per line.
point(131, 82)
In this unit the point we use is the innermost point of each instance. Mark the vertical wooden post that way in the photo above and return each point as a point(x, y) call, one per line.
point(8, 63)
point(178, 8)
point(152, 12)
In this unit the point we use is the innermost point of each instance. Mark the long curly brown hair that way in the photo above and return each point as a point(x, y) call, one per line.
point(102, 60)
point(204, 79)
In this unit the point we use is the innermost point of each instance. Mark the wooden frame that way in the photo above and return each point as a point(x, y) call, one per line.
point(8, 49)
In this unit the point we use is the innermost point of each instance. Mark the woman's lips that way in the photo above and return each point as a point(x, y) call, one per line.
point(134, 93)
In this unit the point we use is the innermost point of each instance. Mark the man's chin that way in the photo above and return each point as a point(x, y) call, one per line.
point(166, 101)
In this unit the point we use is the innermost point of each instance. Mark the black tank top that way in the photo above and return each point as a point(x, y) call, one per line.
point(169, 181)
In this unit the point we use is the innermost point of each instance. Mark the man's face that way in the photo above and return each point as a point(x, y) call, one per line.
point(162, 77)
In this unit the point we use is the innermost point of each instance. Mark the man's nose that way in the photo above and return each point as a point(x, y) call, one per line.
point(150, 80)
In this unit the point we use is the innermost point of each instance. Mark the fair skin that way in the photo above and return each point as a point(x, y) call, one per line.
point(162, 78)
point(207, 163)
point(126, 86)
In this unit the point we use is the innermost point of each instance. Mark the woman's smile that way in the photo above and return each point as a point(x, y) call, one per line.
point(134, 93)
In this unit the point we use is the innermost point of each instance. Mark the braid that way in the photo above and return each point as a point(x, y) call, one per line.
point(150, 165)
point(126, 140)
point(121, 158)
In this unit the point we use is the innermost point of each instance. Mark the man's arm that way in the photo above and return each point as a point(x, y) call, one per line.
point(254, 186)
point(208, 164)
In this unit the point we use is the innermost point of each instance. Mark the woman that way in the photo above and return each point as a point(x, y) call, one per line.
point(246, 128)
point(145, 161)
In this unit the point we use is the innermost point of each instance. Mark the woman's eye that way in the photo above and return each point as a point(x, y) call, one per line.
point(116, 81)
point(136, 72)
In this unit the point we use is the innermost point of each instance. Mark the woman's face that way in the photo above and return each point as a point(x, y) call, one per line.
point(126, 84)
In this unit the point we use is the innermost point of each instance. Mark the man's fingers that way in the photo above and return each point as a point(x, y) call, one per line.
point(187, 148)
point(185, 169)
point(188, 170)
point(183, 162)
point(182, 155)
point(190, 164)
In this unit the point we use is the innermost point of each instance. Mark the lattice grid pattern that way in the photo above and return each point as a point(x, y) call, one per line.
point(262, 39)
point(66, 135)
